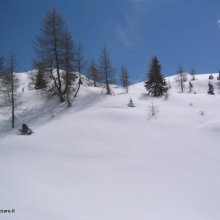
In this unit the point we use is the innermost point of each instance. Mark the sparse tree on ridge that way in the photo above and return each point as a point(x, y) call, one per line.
point(9, 87)
point(93, 72)
point(80, 64)
point(181, 78)
point(106, 70)
point(218, 77)
point(49, 48)
point(156, 84)
point(68, 65)
point(1, 65)
point(125, 78)
point(193, 74)
point(190, 86)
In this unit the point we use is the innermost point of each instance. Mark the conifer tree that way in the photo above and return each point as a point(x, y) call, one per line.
point(40, 82)
point(218, 77)
point(1, 65)
point(156, 84)
point(193, 74)
point(211, 76)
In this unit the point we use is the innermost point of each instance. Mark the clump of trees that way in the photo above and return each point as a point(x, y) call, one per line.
point(156, 84)
point(55, 57)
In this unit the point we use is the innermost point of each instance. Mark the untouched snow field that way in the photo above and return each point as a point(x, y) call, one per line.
point(101, 160)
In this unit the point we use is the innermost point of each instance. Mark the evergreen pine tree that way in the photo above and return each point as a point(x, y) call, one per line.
point(156, 84)
point(1, 65)
point(211, 76)
point(211, 89)
point(40, 82)
point(218, 77)
point(193, 74)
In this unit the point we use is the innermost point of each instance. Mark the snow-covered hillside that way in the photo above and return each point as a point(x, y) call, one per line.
point(101, 160)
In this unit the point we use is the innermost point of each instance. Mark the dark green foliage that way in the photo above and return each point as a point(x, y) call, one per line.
point(218, 77)
point(193, 74)
point(1, 65)
point(156, 84)
point(40, 82)
point(211, 76)
point(211, 89)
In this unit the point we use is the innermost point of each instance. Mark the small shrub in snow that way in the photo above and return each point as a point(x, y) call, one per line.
point(25, 130)
point(211, 89)
point(202, 113)
point(130, 103)
point(166, 96)
point(153, 110)
point(190, 86)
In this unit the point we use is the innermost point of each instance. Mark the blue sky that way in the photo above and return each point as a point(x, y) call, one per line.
point(177, 31)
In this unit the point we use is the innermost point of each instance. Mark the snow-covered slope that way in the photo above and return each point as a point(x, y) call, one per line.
point(101, 160)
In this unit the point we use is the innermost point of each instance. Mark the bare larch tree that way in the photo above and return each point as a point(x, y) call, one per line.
point(93, 72)
point(125, 78)
point(49, 47)
point(106, 70)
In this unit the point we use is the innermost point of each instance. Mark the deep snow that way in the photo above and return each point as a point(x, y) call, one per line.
point(101, 160)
